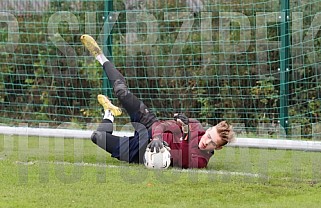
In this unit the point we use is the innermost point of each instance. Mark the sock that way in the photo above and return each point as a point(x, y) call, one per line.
point(101, 58)
point(108, 115)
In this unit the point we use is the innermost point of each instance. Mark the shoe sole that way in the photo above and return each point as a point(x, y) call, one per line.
point(92, 46)
point(107, 105)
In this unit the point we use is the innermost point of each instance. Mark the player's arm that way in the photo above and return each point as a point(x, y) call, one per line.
point(187, 125)
point(158, 129)
point(183, 122)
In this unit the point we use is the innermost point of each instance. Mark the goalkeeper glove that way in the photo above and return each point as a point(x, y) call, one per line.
point(157, 145)
point(183, 122)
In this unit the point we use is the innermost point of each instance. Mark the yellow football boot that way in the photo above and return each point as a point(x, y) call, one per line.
point(107, 105)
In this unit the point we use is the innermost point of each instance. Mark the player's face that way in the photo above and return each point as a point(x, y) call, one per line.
point(211, 140)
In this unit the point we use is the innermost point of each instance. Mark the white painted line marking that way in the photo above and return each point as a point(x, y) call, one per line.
point(202, 171)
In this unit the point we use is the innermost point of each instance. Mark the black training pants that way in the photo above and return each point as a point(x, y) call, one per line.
point(129, 149)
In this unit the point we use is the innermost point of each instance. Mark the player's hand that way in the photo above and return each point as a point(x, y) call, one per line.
point(183, 122)
point(155, 145)
point(158, 146)
point(166, 146)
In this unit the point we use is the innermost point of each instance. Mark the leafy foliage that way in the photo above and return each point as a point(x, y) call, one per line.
point(173, 60)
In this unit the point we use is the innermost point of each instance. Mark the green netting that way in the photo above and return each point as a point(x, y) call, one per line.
point(211, 59)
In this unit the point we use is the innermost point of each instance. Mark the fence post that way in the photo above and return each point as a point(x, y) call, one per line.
point(107, 46)
point(284, 64)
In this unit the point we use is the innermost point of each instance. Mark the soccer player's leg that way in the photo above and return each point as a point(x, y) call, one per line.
point(142, 118)
point(103, 135)
point(123, 148)
point(137, 110)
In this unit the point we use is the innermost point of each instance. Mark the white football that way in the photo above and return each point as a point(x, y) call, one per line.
point(161, 160)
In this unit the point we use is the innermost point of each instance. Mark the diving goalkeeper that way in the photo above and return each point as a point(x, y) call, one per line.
point(190, 145)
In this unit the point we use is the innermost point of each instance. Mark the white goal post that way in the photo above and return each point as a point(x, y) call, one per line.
point(283, 144)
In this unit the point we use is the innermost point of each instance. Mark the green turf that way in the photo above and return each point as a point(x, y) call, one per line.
point(74, 173)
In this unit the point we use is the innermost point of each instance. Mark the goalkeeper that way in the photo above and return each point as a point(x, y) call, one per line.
point(190, 145)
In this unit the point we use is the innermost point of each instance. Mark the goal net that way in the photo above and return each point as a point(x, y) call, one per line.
point(253, 63)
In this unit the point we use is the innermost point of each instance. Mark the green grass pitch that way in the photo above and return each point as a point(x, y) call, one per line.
point(48, 172)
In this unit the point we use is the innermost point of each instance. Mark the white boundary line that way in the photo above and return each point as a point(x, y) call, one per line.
point(193, 171)
point(240, 142)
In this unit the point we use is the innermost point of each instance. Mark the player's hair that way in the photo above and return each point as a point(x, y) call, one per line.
point(225, 131)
